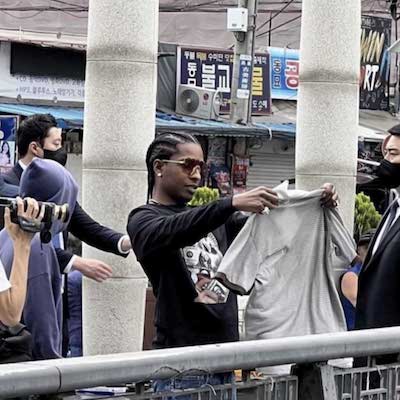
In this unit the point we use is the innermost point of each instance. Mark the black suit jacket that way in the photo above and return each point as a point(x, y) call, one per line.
point(81, 225)
point(378, 299)
point(13, 176)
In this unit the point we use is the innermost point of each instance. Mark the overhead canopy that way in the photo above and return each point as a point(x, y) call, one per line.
point(377, 121)
point(373, 124)
point(66, 117)
point(171, 122)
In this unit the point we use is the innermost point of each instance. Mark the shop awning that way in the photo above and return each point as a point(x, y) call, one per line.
point(73, 118)
point(375, 124)
point(172, 122)
point(66, 117)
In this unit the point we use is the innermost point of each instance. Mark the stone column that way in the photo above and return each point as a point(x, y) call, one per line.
point(119, 125)
point(327, 116)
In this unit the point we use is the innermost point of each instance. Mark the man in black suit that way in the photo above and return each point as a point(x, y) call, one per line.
point(38, 136)
point(378, 299)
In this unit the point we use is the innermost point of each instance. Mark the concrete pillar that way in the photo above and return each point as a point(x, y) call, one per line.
point(327, 116)
point(119, 125)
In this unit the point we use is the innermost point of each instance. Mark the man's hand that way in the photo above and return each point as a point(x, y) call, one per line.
point(329, 197)
point(206, 297)
point(32, 213)
point(255, 200)
point(126, 244)
point(93, 269)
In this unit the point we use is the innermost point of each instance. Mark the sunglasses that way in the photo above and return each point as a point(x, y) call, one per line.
point(189, 165)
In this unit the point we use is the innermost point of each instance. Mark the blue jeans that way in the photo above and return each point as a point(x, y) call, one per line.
point(193, 382)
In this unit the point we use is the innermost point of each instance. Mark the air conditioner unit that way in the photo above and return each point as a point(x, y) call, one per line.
point(198, 102)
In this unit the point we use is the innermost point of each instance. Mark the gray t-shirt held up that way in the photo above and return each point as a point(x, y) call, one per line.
point(285, 260)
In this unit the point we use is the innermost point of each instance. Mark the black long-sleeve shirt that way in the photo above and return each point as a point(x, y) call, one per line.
point(172, 243)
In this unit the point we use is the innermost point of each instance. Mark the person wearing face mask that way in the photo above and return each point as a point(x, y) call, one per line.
point(378, 298)
point(39, 137)
point(43, 180)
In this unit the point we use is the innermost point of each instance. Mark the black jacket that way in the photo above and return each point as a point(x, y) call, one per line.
point(165, 242)
point(378, 298)
point(81, 225)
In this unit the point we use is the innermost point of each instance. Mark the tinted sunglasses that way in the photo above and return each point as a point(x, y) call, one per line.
point(189, 164)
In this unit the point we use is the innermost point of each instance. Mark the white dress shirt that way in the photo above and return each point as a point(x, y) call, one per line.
point(383, 229)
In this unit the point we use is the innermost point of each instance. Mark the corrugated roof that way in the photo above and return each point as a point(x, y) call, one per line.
point(73, 117)
point(172, 122)
point(66, 117)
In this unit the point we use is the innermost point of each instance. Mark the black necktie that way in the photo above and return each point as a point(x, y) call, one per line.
point(392, 216)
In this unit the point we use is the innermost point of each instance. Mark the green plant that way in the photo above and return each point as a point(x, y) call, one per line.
point(204, 195)
point(365, 217)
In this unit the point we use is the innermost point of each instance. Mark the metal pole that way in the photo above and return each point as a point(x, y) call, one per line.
point(269, 31)
point(241, 107)
point(57, 376)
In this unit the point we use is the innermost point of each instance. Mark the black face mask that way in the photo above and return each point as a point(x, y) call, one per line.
point(389, 174)
point(59, 155)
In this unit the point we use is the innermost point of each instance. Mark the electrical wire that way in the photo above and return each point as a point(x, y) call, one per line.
point(275, 15)
point(279, 26)
point(219, 6)
point(75, 16)
point(291, 28)
point(66, 3)
point(14, 16)
point(207, 3)
point(25, 9)
point(186, 7)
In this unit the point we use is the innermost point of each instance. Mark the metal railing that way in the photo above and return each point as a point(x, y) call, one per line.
point(379, 382)
point(64, 375)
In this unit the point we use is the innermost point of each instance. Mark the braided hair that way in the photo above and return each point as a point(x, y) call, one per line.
point(163, 147)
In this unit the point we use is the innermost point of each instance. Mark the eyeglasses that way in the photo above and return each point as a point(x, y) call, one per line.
point(189, 165)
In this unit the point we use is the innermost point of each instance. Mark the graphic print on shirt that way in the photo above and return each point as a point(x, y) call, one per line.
point(202, 260)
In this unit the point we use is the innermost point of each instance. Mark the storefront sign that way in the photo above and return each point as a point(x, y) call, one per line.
point(8, 131)
point(27, 87)
point(213, 69)
point(244, 85)
point(240, 169)
point(375, 63)
point(8, 127)
point(284, 73)
point(7, 155)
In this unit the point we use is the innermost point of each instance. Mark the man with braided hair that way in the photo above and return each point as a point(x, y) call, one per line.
point(180, 249)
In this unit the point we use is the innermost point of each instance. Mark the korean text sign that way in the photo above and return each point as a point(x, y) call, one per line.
point(213, 69)
point(284, 73)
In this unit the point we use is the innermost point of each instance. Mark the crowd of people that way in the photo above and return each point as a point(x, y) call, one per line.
point(184, 251)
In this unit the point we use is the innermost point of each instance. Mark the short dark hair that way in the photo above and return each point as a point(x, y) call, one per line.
point(33, 129)
point(395, 130)
point(163, 147)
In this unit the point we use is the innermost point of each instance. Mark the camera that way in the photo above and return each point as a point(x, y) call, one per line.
point(52, 212)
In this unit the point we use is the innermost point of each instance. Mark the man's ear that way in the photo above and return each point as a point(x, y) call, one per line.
point(158, 167)
point(34, 148)
point(384, 144)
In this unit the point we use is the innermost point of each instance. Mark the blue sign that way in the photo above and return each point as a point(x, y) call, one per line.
point(284, 73)
point(213, 69)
